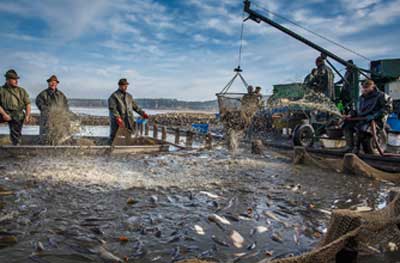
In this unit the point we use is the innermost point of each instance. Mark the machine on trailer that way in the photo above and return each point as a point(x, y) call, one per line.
point(385, 73)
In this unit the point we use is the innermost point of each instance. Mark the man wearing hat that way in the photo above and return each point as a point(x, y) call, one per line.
point(121, 106)
point(16, 105)
point(50, 98)
point(324, 80)
point(373, 105)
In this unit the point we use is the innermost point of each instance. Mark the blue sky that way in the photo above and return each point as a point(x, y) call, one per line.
point(183, 49)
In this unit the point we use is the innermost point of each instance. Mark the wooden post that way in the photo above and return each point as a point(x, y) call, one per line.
point(141, 129)
point(189, 139)
point(155, 131)
point(164, 134)
point(209, 141)
point(177, 136)
point(146, 129)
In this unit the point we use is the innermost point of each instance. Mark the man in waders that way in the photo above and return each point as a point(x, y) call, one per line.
point(121, 106)
point(15, 106)
point(49, 99)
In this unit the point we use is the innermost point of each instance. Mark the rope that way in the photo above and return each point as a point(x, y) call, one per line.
point(314, 33)
point(241, 41)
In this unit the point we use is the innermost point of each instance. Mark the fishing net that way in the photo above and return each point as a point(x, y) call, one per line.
point(228, 102)
point(58, 126)
point(351, 232)
point(237, 110)
point(295, 97)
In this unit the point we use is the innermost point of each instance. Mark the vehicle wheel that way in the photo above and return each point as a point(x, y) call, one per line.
point(369, 145)
point(304, 135)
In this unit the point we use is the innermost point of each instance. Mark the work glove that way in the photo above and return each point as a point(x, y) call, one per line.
point(145, 116)
point(120, 123)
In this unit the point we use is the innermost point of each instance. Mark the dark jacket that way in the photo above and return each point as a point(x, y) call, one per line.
point(49, 98)
point(121, 104)
point(376, 105)
point(324, 81)
point(14, 101)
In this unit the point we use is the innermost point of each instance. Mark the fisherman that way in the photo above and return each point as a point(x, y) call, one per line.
point(249, 97)
point(374, 105)
point(349, 81)
point(49, 99)
point(121, 106)
point(260, 100)
point(309, 80)
point(15, 106)
point(324, 79)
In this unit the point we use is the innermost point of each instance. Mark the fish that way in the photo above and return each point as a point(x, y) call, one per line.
point(252, 246)
point(219, 241)
point(108, 256)
point(237, 239)
point(211, 195)
point(218, 219)
point(199, 230)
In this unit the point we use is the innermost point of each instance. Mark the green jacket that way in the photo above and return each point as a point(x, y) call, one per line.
point(14, 101)
point(122, 105)
point(49, 98)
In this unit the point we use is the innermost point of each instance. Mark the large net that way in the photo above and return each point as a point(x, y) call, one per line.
point(351, 233)
point(58, 126)
point(296, 97)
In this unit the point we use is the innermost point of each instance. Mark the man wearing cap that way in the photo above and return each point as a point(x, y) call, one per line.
point(121, 106)
point(374, 105)
point(16, 106)
point(324, 80)
point(50, 98)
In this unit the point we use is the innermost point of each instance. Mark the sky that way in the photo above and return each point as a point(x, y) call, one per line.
point(184, 49)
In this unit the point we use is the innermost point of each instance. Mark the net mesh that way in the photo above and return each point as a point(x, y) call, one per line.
point(355, 231)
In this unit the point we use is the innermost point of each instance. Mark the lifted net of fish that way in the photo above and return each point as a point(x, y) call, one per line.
point(59, 127)
point(368, 232)
point(310, 101)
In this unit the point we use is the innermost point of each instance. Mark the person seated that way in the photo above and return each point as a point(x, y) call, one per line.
point(374, 105)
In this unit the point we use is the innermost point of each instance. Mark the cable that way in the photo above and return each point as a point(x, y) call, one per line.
point(314, 33)
point(241, 42)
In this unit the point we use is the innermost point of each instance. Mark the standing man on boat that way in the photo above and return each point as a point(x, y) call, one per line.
point(259, 96)
point(15, 106)
point(49, 99)
point(350, 80)
point(374, 105)
point(309, 80)
point(324, 80)
point(121, 106)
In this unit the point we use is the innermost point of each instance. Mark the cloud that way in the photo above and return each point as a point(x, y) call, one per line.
point(183, 49)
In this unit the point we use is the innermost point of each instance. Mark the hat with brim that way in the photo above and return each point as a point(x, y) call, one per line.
point(11, 74)
point(53, 78)
point(123, 82)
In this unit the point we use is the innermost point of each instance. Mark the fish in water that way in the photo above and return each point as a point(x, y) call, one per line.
point(219, 241)
point(252, 246)
point(237, 239)
point(218, 219)
point(211, 195)
point(199, 230)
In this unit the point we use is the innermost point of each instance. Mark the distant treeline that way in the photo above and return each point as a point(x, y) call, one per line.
point(161, 104)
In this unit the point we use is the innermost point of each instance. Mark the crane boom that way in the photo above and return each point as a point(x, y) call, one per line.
point(257, 17)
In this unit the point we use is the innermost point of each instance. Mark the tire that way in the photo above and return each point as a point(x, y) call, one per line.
point(369, 145)
point(304, 135)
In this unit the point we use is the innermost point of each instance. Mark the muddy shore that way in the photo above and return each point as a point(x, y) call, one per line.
point(165, 208)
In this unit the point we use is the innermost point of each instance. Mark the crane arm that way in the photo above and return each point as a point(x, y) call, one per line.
point(257, 17)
